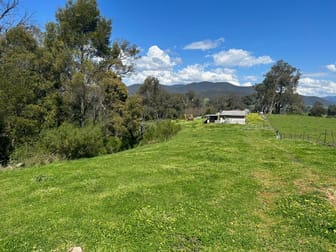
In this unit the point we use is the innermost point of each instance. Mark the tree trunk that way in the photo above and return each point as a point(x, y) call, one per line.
point(82, 113)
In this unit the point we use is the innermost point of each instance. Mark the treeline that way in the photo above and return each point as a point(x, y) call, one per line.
point(160, 104)
point(61, 91)
point(276, 94)
point(319, 110)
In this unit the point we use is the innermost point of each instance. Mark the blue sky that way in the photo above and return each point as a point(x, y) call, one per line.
point(238, 41)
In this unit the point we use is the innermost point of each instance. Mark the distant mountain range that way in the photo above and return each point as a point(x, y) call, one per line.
point(216, 89)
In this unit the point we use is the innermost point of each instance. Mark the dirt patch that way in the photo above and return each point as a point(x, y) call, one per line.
point(313, 182)
point(269, 181)
point(271, 186)
point(266, 197)
point(331, 195)
point(308, 183)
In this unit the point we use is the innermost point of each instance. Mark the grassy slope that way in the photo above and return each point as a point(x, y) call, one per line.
point(212, 187)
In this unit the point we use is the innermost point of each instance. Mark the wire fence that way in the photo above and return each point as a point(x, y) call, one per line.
point(326, 137)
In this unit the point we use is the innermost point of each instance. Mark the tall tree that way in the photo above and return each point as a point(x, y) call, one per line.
point(317, 109)
point(276, 91)
point(332, 110)
point(151, 93)
point(23, 87)
point(85, 36)
point(158, 103)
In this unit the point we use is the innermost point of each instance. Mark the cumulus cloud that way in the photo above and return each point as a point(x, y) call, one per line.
point(156, 60)
point(239, 57)
point(331, 67)
point(159, 64)
point(204, 44)
point(315, 87)
point(195, 73)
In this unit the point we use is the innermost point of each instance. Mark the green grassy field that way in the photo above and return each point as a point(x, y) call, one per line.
point(316, 129)
point(210, 188)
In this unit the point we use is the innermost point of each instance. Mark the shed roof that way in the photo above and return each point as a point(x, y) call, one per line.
point(234, 112)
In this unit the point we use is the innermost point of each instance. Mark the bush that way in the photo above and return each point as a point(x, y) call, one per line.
point(317, 109)
point(31, 155)
point(160, 131)
point(70, 142)
point(66, 142)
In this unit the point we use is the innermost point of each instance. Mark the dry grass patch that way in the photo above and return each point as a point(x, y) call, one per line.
point(307, 182)
point(331, 195)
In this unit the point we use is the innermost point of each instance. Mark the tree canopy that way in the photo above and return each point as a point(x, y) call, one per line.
point(277, 92)
point(71, 73)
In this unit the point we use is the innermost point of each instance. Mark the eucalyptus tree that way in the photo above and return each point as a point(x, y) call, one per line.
point(94, 66)
point(23, 87)
point(277, 92)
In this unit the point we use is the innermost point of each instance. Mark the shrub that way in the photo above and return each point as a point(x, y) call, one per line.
point(317, 109)
point(31, 155)
point(70, 142)
point(66, 142)
point(253, 118)
point(160, 131)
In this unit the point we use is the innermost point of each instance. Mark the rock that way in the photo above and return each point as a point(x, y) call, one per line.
point(19, 165)
point(75, 249)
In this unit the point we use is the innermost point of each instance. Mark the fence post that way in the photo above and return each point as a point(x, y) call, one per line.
point(325, 137)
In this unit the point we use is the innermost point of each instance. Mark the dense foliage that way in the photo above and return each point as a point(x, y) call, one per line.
point(160, 131)
point(63, 81)
point(277, 92)
point(317, 109)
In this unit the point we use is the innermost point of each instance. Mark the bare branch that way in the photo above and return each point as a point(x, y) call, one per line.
point(7, 7)
point(9, 17)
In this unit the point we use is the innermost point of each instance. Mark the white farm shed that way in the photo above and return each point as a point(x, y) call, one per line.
point(228, 116)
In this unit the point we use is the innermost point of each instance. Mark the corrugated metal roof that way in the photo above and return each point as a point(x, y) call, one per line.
point(234, 112)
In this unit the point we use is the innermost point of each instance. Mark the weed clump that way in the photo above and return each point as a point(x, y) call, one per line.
point(160, 131)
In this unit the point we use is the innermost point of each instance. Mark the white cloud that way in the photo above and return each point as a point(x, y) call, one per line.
point(239, 57)
point(331, 67)
point(204, 44)
point(156, 60)
point(195, 73)
point(247, 84)
point(318, 74)
point(159, 64)
point(315, 87)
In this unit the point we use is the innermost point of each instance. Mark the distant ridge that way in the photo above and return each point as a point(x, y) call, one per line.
point(216, 89)
point(331, 99)
point(203, 89)
point(310, 100)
